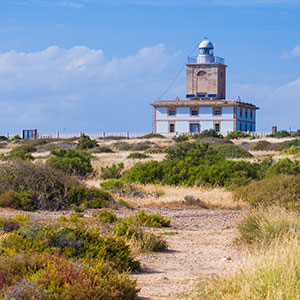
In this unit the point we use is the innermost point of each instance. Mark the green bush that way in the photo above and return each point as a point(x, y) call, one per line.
point(22, 152)
point(46, 276)
point(13, 224)
point(107, 217)
point(16, 138)
point(293, 150)
point(266, 146)
point(280, 134)
point(151, 220)
point(71, 161)
point(34, 185)
point(231, 151)
point(138, 155)
point(282, 191)
point(152, 136)
point(264, 225)
point(192, 164)
point(112, 172)
point(90, 197)
point(284, 166)
point(236, 135)
point(73, 243)
point(207, 133)
point(3, 138)
point(125, 204)
point(113, 185)
point(85, 142)
point(181, 138)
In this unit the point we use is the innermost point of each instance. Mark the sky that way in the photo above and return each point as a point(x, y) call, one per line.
point(97, 65)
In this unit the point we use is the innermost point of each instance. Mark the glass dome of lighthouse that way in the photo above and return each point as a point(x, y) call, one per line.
point(206, 52)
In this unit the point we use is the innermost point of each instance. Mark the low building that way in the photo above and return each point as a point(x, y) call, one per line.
point(205, 106)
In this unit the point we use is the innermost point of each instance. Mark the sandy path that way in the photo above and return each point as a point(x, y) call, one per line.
point(200, 244)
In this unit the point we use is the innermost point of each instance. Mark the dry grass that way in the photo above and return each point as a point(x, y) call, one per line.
point(107, 159)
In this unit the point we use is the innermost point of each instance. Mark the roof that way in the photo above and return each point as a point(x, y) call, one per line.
point(199, 103)
point(206, 44)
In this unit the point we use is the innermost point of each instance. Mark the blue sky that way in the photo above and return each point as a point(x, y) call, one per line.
point(94, 65)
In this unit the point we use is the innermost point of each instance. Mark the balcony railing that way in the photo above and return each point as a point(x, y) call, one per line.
point(216, 59)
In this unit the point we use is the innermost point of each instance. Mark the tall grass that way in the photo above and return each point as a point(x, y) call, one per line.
point(271, 274)
point(272, 270)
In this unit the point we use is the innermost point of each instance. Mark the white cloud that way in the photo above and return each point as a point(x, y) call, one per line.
point(38, 87)
point(294, 52)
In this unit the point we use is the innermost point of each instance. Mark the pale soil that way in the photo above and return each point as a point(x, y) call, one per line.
point(200, 245)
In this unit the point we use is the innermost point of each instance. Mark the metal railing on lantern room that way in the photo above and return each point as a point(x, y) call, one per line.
point(217, 59)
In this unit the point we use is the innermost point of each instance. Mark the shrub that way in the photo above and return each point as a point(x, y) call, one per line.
point(112, 172)
point(151, 220)
point(107, 216)
point(47, 187)
point(289, 144)
point(22, 152)
point(54, 277)
point(13, 224)
point(236, 135)
point(293, 150)
point(284, 166)
point(103, 149)
point(263, 226)
point(125, 204)
point(85, 142)
point(152, 136)
point(207, 133)
point(181, 138)
point(138, 155)
point(113, 185)
point(16, 138)
point(90, 197)
point(231, 151)
point(73, 243)
point(266, 146)
point(71, 161)
point(280, 134)
point(270, 274)
point(192, 164)
point(3, 138)
point(282, 191)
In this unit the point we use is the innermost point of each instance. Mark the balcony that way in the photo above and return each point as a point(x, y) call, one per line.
point(215, 59)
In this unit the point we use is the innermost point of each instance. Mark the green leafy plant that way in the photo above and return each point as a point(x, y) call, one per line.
point(106, 216)
point(71, 161)
point(237, 135)
point(85, 142)
point(112, 172)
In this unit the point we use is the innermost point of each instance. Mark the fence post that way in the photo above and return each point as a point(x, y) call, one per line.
point(57, 135)
point(103, 135)
point(127, 134)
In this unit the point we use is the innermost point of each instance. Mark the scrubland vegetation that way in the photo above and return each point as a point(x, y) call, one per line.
point(90, 258)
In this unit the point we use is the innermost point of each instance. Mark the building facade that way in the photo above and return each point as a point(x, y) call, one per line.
point(205, 106)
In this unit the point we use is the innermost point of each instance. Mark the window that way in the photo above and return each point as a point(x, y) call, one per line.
point(241, 112)
point(201, 73)
point(251, 114)
point(172, 127)
point(246, 113)
point(217, 111)
point(171, 111)
point(194, 128)
point(217, 127)
point(194, 112)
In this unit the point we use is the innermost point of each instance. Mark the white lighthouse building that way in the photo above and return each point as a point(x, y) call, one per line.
point(205, 106)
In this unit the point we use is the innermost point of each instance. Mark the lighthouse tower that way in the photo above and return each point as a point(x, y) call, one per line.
point(206, 74)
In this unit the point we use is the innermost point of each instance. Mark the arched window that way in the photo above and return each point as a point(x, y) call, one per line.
point(201, 73)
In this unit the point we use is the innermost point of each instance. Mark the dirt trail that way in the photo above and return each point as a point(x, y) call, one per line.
point(200, 244)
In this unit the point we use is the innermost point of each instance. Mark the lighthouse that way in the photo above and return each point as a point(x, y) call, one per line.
point(206, 74)
point(205, 105)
